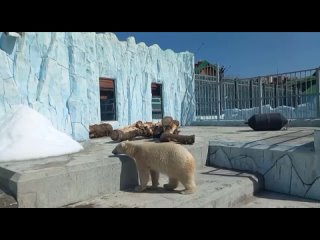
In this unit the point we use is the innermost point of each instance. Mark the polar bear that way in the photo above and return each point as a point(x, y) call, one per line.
point(168, 158)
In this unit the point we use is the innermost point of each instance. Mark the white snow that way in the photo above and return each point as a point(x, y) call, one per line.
point(26, 134)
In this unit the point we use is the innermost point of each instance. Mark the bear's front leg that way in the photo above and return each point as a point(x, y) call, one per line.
point(173, 183)
point(154, 179)
point(144, 179)
point(139, 189)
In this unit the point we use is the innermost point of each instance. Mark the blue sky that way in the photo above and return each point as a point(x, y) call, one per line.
point(243, 54)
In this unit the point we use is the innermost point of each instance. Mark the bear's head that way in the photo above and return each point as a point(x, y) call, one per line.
point(120, 148)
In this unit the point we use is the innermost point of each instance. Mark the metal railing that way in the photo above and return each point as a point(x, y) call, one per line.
point(294, 94)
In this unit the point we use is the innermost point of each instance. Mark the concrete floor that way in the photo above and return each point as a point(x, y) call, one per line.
point(267, 199)
point(292, 138)
point(95, 167)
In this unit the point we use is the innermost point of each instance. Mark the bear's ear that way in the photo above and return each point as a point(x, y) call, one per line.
point(123, 144)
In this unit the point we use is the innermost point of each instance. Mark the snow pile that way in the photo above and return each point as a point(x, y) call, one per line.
point(26, 134)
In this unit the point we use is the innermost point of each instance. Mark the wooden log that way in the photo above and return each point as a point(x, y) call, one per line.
point(153, 129)
point(124, 134)
point(171, 132)
point(147, 129)
point(176, 122)
point(177, 132)
point(150, 129)
point(183, 139)
point(100, 130)
point(169, 125)
point(157, 130)
point(167, 121)
point(170, 129)
point(139, 124)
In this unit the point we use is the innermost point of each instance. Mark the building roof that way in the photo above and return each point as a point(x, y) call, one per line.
point(201, 65)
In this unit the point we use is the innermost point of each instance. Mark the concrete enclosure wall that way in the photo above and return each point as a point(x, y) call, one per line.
point(57, 74)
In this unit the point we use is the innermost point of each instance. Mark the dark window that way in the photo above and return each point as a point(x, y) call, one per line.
point(156, 90)
point(107, 99)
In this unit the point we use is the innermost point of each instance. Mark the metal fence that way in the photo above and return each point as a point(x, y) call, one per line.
point(295, 94)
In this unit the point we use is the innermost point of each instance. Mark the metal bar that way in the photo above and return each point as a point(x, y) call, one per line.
point(236, 94)
point(210, 100)
point(275, 95)
point(260, 95)
point(275, 74)
point(225, 94)
point(206, 100)
point(250, 93)
point(318, 91)
point(304, 114)
point(218, 92)
point(200, 98)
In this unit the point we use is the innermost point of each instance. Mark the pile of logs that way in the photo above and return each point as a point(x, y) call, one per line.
point(171, 133)
point(166, 131)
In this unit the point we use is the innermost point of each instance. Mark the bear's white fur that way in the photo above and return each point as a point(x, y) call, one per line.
point(168, 158)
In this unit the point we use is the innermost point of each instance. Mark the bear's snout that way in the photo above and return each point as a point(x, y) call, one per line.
point(114, 151)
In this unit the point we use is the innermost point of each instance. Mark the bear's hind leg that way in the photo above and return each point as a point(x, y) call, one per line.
point(189, 184)
point(154, 178)
point(173, 183)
